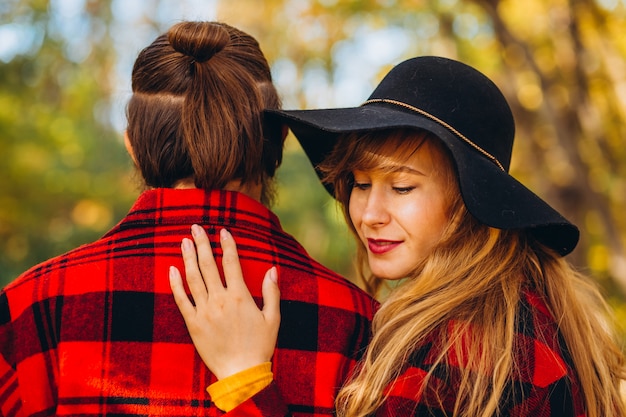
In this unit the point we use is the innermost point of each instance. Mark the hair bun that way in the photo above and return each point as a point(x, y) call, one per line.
point(200, 40)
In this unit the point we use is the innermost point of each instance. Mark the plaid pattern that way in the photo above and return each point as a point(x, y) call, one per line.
point(96, 331)
point(546, 387)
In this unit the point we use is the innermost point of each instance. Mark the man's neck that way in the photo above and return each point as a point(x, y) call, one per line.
point(252, 190)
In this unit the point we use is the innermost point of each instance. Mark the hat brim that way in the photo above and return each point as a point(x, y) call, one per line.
point(490, 193)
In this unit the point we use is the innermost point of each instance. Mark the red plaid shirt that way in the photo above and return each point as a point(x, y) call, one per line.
point(96, 331)
point(547, 386)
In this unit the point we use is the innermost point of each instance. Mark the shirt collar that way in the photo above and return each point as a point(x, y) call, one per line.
point(164, 206)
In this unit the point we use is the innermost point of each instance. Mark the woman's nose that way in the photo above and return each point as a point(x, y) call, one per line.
point(375, 211)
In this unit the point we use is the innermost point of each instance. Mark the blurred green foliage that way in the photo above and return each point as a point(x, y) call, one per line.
point(64, 178)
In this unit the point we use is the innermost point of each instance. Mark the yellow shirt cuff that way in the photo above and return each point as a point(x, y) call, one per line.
point(229, 392)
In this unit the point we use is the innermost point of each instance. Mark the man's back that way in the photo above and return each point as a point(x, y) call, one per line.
point(96, 331)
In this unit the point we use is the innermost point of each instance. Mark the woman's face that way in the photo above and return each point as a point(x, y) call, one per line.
point(401, 208)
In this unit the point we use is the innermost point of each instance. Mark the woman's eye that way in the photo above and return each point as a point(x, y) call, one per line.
point(361, 185)
point(403, 190)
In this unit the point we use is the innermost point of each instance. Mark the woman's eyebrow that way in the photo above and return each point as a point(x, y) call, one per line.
point(401, 168)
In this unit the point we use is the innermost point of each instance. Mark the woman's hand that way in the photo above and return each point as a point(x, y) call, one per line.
point(229, 331)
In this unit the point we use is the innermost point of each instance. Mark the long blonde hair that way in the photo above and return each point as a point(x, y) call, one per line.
point(475, 278)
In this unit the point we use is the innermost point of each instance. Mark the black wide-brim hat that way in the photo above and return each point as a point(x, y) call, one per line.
point(467, 111)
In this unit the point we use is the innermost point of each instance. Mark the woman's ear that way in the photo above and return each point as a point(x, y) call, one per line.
point(129, 147)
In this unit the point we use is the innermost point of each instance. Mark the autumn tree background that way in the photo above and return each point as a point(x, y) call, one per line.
point(65, 77)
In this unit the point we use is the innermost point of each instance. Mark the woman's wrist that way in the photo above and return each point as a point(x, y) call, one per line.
point(229, 392)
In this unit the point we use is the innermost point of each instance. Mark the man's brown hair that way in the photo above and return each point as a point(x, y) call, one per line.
point(199, 91)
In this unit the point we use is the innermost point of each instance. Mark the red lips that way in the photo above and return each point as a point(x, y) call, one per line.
point(380, 246)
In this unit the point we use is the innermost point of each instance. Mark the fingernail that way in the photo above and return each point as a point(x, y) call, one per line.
point(186, 244)
point(274, 275)
point(224, 234)
point(196, 230)
point(172, 272)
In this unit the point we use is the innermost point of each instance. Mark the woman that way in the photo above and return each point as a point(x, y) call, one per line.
point(490, 319)
point(96, 331)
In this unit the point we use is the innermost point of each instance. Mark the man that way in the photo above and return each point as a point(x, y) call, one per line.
point(96, 331)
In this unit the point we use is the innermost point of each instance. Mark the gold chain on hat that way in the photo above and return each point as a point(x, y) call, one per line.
point(441, 122)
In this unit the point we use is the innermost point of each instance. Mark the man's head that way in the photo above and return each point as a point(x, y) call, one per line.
point(195, 115)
